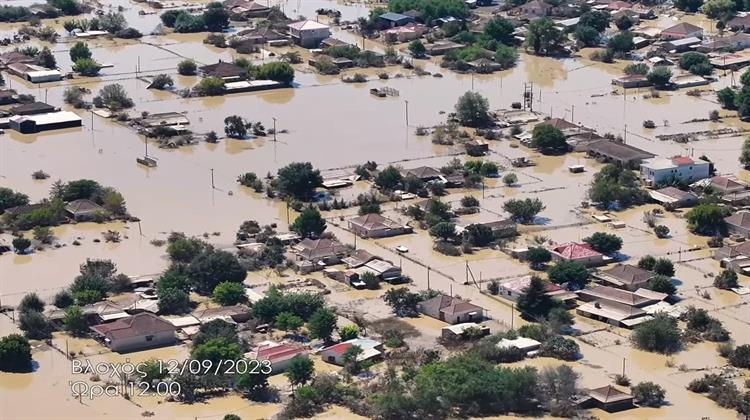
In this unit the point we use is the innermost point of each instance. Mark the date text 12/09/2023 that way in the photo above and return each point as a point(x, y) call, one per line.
point(132, 379)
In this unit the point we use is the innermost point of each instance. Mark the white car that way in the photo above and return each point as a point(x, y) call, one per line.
point(402, 248)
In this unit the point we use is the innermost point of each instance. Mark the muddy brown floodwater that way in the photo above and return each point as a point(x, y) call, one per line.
point(331, 124)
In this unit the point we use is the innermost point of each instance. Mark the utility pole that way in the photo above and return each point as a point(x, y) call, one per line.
point(512, 315)
point(212, 179)
point(274, 128)
point(472, 81)
point(288, 221)
point(428, 278)
point(573, 114)
point(406, 102)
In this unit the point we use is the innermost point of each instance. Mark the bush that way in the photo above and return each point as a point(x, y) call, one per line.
point(278, 71)
point(661, 231)
point(573, 273)
point(658, 335)
point(664, 267)
point(548, 139)
point(31, 303)
point(229, 293)
point(21, 244)
point(661, 284)
point(34, 325)
point(659, 76)
point(524, 210)
point(726, 280)
point(115, 97)
point(15, 354)
point(128, 33)
point(510, 179)
point(187, 68)
point(648, 394)
point(740, 357)
point(162, 81)
point(78, 51)
point(86, 67)
point(210, 86)
point(560, 348)
point(472, 109)
point(469, 201)
point(606, 243)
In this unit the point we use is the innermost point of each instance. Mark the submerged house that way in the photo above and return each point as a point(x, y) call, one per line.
point(83, 210)
point(607, 398)
point(27, 124)
point(374, 225)
point(371, 349)
point(451, 310)
point(308, 33)
point(280, 355)
point(137, 332)
point(618, 307)
point(580, 252)
point(314, 254)
point(624, 276)
point(223, 70)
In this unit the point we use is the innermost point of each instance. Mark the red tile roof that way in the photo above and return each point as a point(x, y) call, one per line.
point(141, 324)
point(682, 160)
point(574, 251)
point(283, 351)
point(339, 348)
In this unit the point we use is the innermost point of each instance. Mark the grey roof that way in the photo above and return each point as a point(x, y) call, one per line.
point(629, 274)
point(619, 151)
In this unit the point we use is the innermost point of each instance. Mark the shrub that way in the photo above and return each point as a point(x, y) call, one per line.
point(115, 97)
point(726, 280)
point(658, 335)
point(648, 394)
point(187, 68)
point(560, 348)
point(162, 81)
point(86, 67)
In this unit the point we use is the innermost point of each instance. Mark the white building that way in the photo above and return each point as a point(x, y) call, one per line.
point(657, 170)
point(308, 33)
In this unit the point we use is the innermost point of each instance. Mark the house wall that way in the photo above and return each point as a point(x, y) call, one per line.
point(332, 357)
point(142, 342)
point(688, 173)
point(461, 317)
point(311, 38)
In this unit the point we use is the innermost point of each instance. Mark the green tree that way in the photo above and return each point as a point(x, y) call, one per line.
point(389, 178)
point(298, 180)
point(661, 284)
point(534, 303)
point(726, 98)
point(596, 19)
point(217, 350)
point(322, 324)
point(348, 332)
point(210, 268)
point(478, 234)
point(402, 301)
point(624, 22)
point(647, 262)
point(472, 109)
point(187, 67)
point(112, 22)
point(573, 273)
point(648, 394)
point(300, 371)
point(10, 198)
point(278, 71)
point(115, 97)
point(443, 230)
point(87, 67)
point(726, 280)
point(660, 334)
point(542, 36)
point(187, 23)
point(664, 267)
point(210, 86)
point(524, 210)
point(34, 325)
point(215, 17)
point(370, 280)
point(706, 219)
point(15, 354)
point(506, 56)
point(235, 127)
point(587, 35)
point(558, 385)
point(63, 299)
point(46, 59)
point(745, 153)
point(173, 301)
point(718, 9)
point(417, 49)
point(688, 5)
point(606, 243)
point(560, 348)
point(78, 51)
point(217, 328)
point(548, 139)
point(228, 293)
point(501, 30)
point(21, 244)
point(659, 76)
point(162, 81)
point(74, 321)
point(252, 384)
point(31, 302)
point(614, 184)
point(309, 223)
point(622, 42)
point(538, 256)
point(636, 69)
point(288, 322)
point(369, 207)
point(185, 250)
point(740, 357)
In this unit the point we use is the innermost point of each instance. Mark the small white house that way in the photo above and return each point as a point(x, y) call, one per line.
point(308, 33)
point(335, 354)
point(656, 170)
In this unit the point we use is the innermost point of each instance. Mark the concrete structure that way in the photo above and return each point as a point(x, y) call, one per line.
point(616, 306)
point(581, 252)
point(384, 270)
point(735, 42)
point(138, 332)
point(279, 354)
point(534, 9)
point(374, 225)
point(624, 276)
point(308, 33)
point(682, 30)
point(614, 152)
point(33, 108)
point(722, 185)
point(451, 310)
point(371, 349)
point(314, 254)
point(43, 122)
point(739, 223)
point(681, 45)
point(234, 313)
point(34, 73)
point(530, 346)
point(404, 33)
point(673, 198)
point(658, 170)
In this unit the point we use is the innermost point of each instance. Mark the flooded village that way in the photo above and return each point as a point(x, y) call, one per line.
point(391, 210)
